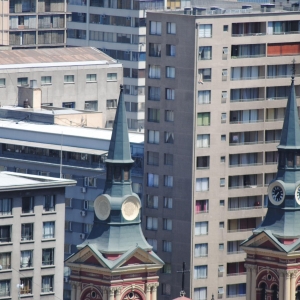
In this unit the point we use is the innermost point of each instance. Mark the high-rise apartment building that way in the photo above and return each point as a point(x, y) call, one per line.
point(118, 28)
point(217, 84)
point(33, 23)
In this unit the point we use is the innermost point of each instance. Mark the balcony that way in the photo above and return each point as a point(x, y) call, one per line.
point(236, 269)
point(246, 138)
point(242, 225)
point(247, 51)
point(246, 116)
point(248, 29)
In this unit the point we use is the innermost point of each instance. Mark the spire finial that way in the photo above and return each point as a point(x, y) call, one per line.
point(293, 69)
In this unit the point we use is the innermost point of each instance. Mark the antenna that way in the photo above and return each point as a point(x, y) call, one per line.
point(293, 69)
point(61, 154)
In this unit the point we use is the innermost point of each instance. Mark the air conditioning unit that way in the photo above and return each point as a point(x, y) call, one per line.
point(82, 236)
point(83, 213)
point(83, 190)
point(66, 279)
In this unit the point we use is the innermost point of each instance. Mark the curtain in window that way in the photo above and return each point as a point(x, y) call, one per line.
point(203, 119)
point(200, 294)
point(26, 259)
point(204, 97)
point(170, 94)
point(4, 288)
point(203, 140)
point(167, 246)
point(170, 72)
point(46, 284)
point(169, 137)
point(154, 71)
point(169, 181)
point(201, 250)
point(270, 28)
point(151, 223)
point(202, 184)
point(233, 203)
point(48, 230)
point(5, 206)
point(201, 228)
point(200, 272)
point(205, 30)
point(5, 260)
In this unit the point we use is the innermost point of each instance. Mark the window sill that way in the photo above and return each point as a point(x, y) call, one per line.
point(91, 82)
point(26, 269)
point(47, 266)
point(2, 86)
point(46, 84)
point(6, 216)
point(5, 297)
point(111, 80)
point(69, 82)
point(5, 270)
point(49, 213)
point(26, 296)
point(5, 243)
point(46, 294)
point(27, 241)
point(27, 214)
point(49, 240)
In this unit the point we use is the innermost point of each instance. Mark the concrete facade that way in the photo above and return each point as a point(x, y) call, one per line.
point(81, 78)
point(32, 213)
point(216, 93)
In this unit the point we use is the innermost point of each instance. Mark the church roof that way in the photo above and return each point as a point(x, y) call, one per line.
point(119, 148)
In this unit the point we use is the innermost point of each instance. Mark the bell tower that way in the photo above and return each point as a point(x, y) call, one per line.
point(115, 262)
point(273, 251)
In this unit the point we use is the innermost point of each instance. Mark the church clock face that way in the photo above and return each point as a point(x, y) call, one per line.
point(297, 194)
point(131, 208)
point(102, 207)
point(276, 193)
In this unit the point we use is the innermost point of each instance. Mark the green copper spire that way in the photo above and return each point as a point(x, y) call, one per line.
point(290, 135)
point(119, 148)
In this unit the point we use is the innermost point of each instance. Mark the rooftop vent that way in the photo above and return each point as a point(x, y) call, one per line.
point(187, 10)
point(246, 6)
point(267, 7)
point(199, 10)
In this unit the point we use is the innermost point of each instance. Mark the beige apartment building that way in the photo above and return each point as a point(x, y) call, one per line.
point(217, 85)
point(33, 23)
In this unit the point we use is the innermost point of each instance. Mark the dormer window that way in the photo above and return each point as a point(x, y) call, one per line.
point(290, 159)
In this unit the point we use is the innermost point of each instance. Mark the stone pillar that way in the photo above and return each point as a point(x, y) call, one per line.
point(287, 286)
point(281, 284)
point(248, 282)
point(78, 290)
point(73, 290)
point(119, 289)
point(293, 284)
point(111, 293)
point(104, 292)
point(253, 282)
point(154, 291)
point(148, 289)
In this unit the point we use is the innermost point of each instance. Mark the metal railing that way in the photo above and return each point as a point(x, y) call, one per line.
point(202, 212)
point(245, 121)
point(47, 289)
point(250, 55)
point(235, 252)
point(240, 230)
point(246, 143)
point(247, 78)
point(48, 262)
point(248, 34)
point(27, 237)
point(5, 240)
point(236, 274)
point(274, 120)
point(236, 296)
point(247, 100)
point(247, 164)
point(244, 208)
point(245, 186)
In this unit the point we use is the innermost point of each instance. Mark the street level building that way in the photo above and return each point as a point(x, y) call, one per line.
point(33, 23)
point(118, 28)
point(218, 79)
point(32, 213)
point(82, 78)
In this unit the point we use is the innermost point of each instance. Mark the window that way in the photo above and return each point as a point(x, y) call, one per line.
point(223, 138)
point(167, 224)
point(48, 230)
point(153, 137)
point(91, 105)
point(200, 293)
point(224, 74)
point(68, 226)
point(67, 248)
point(151, 223)
point(153, 93)
point(225, 27)
point(152, 158)
point(152, 180)
point(22, 81)
point(4, 288)
point(155, 28)
point(201, 250)
point(203, 140)
point(90, 181)
point(222, 182)
point(201, 228)
point(221, 225)
point(91, 77)
point(154, 72)
point(171, 28)
point(222, 159)
point(202, 184)
point(26, 259)
point(5, 234)
point(47, 284)
point(168, 180)
point(68, 202)
point(48, 257)
point(224, 96)
point(170, 94)
point(222, 202)
point(111, 103)
point(202, 162)
point(5, 260)
point(153, 243)
point(203, 119)
point(46, 80)
point(5, 207)
point(167, 246)
point(170, 50)
point(166, 289)
point(220, 270)
point(154, 50)
point(87, 228)
point(201, 206)
point(204, 97)
point(205, 31)
point(27, 205)
point(43, 173)
point(27, 286)
point(68, 104)
point(200, 272)
point(169, 115)
point(167, 269)
point(168, 159)
point(221, 246)
point(49, 204)
point(27, 232)
point(168, 202)
point(112, 76)
point(205, 53)
point(204, 75)
point(223, 117)
point(2, 82)
point(169, 137)
point(170, 72)
point(69, 78)
point(152, 201)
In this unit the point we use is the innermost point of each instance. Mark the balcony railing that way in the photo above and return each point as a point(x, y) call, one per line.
point(245, 121)
point(235, 252)
point(236, 296)
point(282, 76)
point(272, 141)
point(246, 143)
point(48, 262)
point(245, 186)
point(244, 208)
point(248, 34)
point(5, 240)
point(240, 230)
point(202, 212)
point(236, 274)
point(28, 237)
point(249, 55)
point(274, 120)
point(47, 289)
point(247, 164)
point(247, 78)
point(286, 32)
point(247, 100)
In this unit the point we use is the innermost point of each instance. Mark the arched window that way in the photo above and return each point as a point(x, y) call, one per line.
point(275, 292)
point(263, 288)
point(298, 293)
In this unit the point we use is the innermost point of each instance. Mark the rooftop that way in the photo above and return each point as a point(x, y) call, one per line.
point(19, 181)
point(73, 56)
